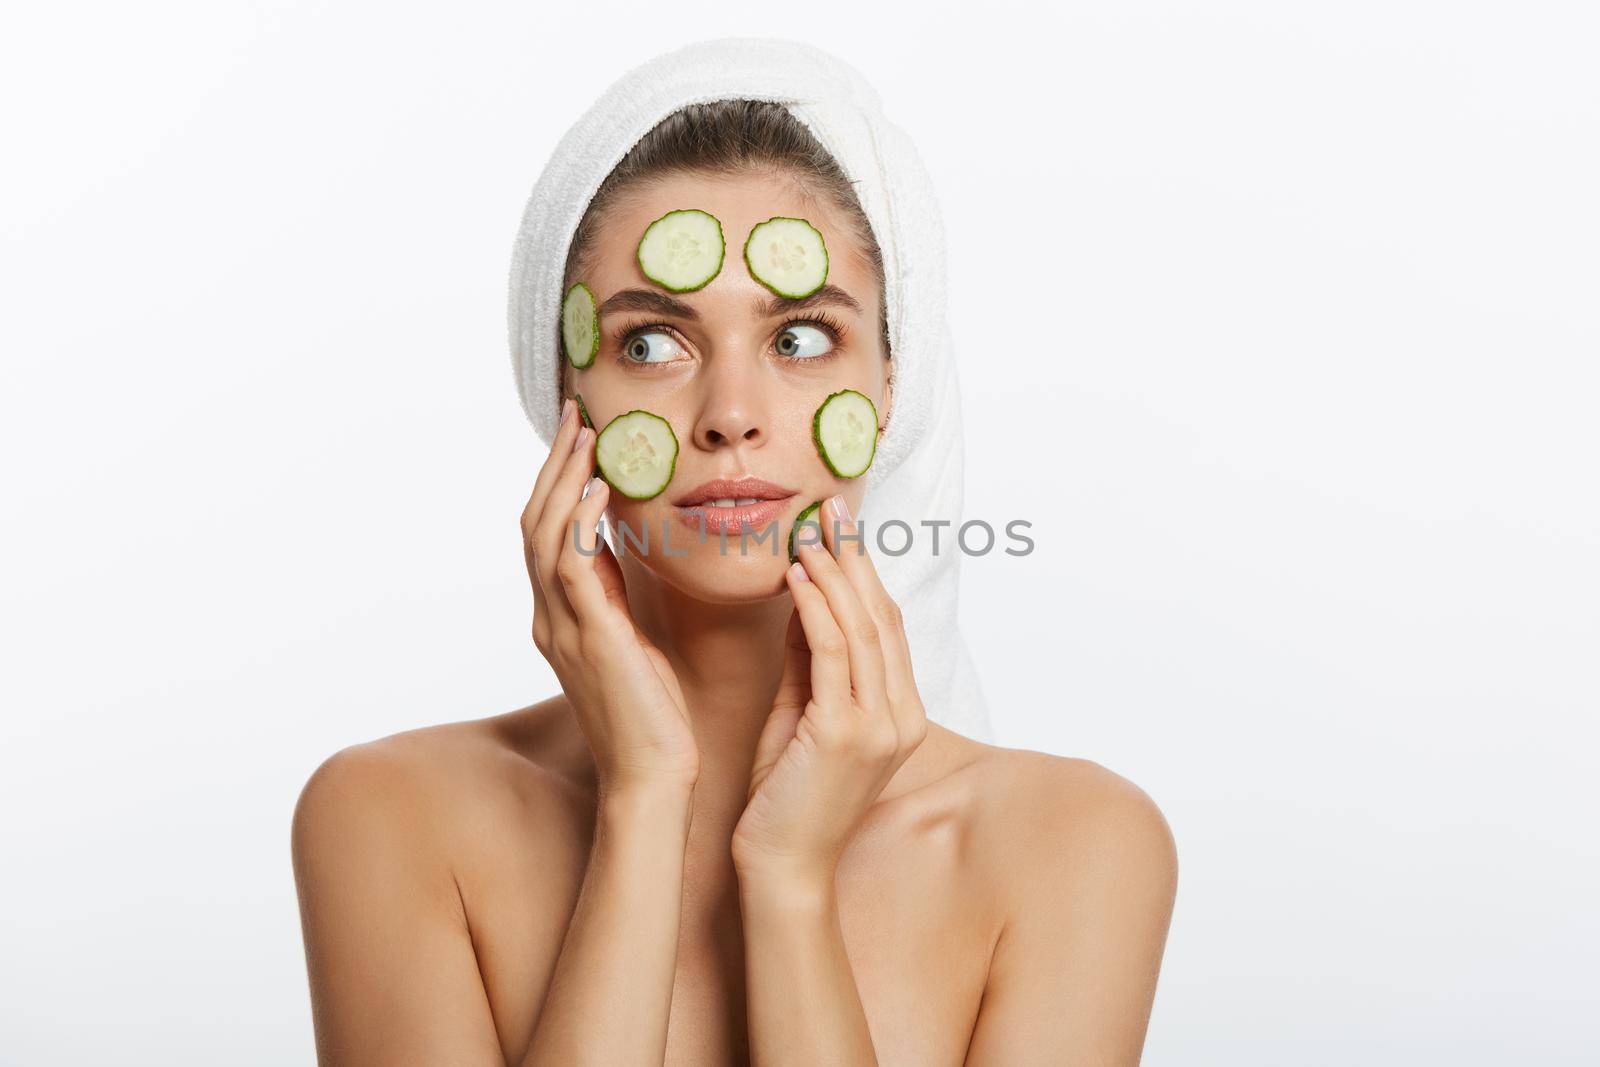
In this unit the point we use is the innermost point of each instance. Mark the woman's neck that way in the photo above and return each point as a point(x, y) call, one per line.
point(728, 659)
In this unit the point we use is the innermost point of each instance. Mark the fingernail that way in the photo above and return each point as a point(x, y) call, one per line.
point(594, 485)
point(567, 407)
point(841, 510)
point(799, 572)
point(583, 436)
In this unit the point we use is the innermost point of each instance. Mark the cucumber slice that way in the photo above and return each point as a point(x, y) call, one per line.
point(580, 326)
point(845, 429)
point(682, 250)
point(583, 417)
point(637, 453)
point(787, 256)
point(806, 517)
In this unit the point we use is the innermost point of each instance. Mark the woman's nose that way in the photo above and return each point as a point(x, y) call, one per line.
point(726, 423)
point(733, 411)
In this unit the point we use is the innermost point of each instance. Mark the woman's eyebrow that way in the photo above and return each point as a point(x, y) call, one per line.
point(647, 300)
point(828, 294)
point(661, 304)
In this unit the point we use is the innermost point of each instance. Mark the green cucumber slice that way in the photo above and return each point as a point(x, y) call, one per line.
point(787, 256)
point(583, 416)
point(845, 430)
point(637, 453)
point(580, 325)
point(802, 519)
point(682, 250)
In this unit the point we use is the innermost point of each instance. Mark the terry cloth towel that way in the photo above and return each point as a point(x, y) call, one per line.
point(916, 475)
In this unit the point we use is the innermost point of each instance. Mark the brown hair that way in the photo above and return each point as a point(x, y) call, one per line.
point(725, 137)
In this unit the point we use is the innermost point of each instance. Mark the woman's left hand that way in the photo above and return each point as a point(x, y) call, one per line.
point(846, 715)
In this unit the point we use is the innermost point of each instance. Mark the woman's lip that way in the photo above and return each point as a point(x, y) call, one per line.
point(734, 519)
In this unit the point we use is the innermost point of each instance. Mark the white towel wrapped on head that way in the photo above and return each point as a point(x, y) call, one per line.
point(916, 475)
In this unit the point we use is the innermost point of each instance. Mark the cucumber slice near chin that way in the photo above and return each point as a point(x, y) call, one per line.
point(580, 325)
point(787, 256)
point(637, 453)
point(583, 417)
point(845, 430)
point(806, 517)
point(682, 250)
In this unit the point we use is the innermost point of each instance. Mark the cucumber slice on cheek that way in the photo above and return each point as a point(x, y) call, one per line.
point(787, 256)
point(637, 453)
point(682, 250)
point(845, 430)
point(580, 325)
point(806, 517)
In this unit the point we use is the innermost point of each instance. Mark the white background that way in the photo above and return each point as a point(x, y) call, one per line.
point(1277, 320)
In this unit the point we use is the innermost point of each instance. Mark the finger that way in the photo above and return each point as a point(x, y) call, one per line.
point(860, 632)
point(580, 547)
point(560, 449)
point(788, 706)
point(830, 655)
point(794, 687)
point(555, 518)
point(851, 545)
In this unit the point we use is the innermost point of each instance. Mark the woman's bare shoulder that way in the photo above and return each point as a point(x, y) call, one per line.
point(1037, 816)
point(436, 780)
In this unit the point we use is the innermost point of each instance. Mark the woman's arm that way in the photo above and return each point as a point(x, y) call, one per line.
point(394, 978)
point(802, 1002)
point(846, 716)
point(394, 974)
point(612, 988)
point(1073, 975)
point(611, 992)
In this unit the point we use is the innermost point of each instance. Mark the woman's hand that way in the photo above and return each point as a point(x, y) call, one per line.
point(846, 716)
point(624, 692)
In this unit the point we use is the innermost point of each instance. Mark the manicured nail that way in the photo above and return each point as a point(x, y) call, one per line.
point(583, 436)
point(799, 572)
point(841, 510)
point(567, 407)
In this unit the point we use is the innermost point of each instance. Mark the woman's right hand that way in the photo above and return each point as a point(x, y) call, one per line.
point(623, 690)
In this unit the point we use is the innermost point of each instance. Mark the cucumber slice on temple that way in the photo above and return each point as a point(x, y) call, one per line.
point(845, 429)
point(682, 250)
point(807, 516)
point(787, 256)
point(637, 453)
point(580, 326)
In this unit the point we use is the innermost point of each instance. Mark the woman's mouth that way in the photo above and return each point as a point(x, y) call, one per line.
point(724, 516)
point(728, 506)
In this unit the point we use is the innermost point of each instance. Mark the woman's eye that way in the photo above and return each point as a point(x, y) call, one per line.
point(640, 349)
point(803, 342)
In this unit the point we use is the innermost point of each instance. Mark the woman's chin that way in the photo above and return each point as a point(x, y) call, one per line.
point(714, 578)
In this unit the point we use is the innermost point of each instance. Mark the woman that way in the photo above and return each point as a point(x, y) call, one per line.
point(735, 835)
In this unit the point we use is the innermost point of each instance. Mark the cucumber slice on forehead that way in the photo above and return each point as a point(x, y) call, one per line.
point(806, 516)
point(682, 250)
point(787, 256)
point(580, 326)
point(845, 429)
point(637, 453)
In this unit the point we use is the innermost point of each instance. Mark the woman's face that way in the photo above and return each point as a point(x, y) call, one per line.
point(737, 371)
